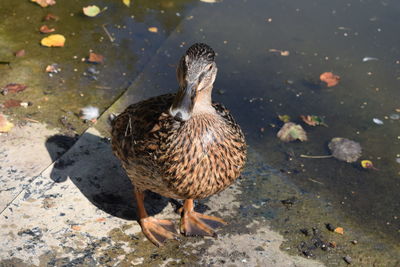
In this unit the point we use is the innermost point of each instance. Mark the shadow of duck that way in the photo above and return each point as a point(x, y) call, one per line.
point(90, 164)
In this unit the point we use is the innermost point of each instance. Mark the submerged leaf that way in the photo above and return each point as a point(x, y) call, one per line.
point(312, 120)
point(44, 3)
point(291, 131)
point(5, 125)
point(329, 78)
point(46, 29)
point(345, 149)
point(153, 29)
point(95, 58)
point(91, 11)
point(13, 88)
point(126, 2)
point(53, 40)
point(20, 53)
point(284, 118)
point(51, 17)
point(10, 103)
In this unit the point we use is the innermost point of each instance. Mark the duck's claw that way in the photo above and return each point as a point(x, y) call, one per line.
point(197, 224)
point(158, 231)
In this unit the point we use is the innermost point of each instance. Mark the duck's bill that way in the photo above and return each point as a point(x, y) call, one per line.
point(182, 106)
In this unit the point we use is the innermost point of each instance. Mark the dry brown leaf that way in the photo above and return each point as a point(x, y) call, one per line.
point(53, 40)
point(46, 29)
point(339, 230)
point(10, 103)
point(95, 58)
point(153, 29)
point(329, 78)
point(291, 131)
point(44, 3)
point(20, 53)
point(13, 88)
point(101, 219)
point(5, 125)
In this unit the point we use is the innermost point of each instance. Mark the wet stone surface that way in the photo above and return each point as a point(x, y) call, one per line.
point(65, 201)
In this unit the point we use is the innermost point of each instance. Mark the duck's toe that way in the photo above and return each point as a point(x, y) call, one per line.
point(158, 231)
point(197, 224)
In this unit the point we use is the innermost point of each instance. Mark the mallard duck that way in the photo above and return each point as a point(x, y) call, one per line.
point(181, 146)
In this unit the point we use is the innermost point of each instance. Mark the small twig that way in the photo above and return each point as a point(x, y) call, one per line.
point(31, 120)
point(315, 157)
point(112, 39)
point(315, 181)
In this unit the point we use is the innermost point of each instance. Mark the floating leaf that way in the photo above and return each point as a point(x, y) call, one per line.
point(44, 3)
point(339, 230)
point(20, 53)
point(345, 149)
point(10, 103)
point(283, 53)
point(367, 164)
point(53, 40)
point(153, 29)
point(91, 11)
point(53, 68)
point(51, 17)
point(377, 121)
point(13, 88)
point(5, 125)
point(284, 118)
point(46, 29)
point(329, 78)
point(291, 131)
point(312, 120)
point(126, 2)
point(95, 58)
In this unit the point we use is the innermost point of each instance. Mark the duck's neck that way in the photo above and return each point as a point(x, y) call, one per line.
point(203, 102)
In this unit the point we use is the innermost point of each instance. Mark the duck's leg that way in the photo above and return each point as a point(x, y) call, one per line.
point(194, 223)
point(156, 230)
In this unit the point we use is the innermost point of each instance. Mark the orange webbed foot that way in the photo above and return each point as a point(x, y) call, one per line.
point(158, 231)
point(197, 224)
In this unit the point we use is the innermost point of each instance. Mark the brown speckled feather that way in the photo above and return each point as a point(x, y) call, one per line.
point(179, 159)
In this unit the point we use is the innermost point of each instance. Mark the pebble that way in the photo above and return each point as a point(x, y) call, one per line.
point(305, 231)
point(354, 242)
point(330, 227)
point(347, 259)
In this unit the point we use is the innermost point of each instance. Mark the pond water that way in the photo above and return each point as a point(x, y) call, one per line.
point(256, 84)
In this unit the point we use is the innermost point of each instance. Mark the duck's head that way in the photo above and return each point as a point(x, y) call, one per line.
point(196, 74)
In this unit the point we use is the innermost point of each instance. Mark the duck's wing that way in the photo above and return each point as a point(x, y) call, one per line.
point(131, 129)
